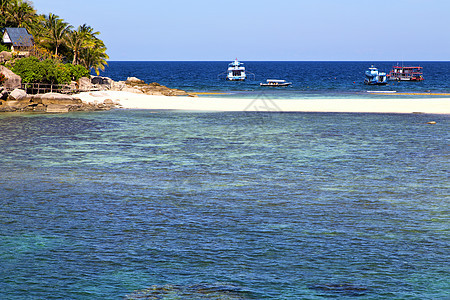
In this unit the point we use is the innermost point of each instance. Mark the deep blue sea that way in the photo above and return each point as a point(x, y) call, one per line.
point(136, 204)
point(310, 79)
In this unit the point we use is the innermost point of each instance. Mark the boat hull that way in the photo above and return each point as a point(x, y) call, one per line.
point(375, 82)
point(275, 85)
point(405, 79)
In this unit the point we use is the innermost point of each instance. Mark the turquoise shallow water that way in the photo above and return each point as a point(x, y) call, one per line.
point(224, 206)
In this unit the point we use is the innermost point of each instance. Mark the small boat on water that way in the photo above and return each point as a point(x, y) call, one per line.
point(375, 77)
point(236, 71)
point(401, 73)
point(275, 82)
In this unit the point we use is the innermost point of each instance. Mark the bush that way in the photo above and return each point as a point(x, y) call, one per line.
point(77, 71)
point(28, 69)
point(31, 69)
point(4, 48)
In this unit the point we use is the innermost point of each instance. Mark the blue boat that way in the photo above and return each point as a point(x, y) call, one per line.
point(375, 77)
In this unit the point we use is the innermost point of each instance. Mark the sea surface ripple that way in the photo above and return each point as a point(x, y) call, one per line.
point(176, 205)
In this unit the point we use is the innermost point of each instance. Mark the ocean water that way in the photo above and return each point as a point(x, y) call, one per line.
point(310, 79)
point(135, 204)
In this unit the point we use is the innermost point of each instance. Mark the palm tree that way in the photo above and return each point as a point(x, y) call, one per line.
point(3, 5)
point(18, 13)
point(37, 29)
point(83, 37)
point(75, 40)
point(3, 8)
point(94, 57)
point(57, 29)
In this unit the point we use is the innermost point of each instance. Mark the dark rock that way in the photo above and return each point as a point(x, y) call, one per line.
point(3, 93)
point(101, 80)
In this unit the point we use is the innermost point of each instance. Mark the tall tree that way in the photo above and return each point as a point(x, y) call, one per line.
point(37, 29)
point(83, 37)
point(19, 13)
point(94, 57)
point(3, 10)
point(57, 30)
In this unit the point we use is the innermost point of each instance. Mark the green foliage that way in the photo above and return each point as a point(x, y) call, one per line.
point(28, 70)
point(77, 71)
point(51, 33)
point(4, 48)
point(31, 69)
point(57, 30)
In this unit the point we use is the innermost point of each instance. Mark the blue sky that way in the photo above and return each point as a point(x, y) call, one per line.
point(392, 30)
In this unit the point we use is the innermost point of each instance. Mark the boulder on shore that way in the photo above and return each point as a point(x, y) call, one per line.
point(16, 105)
point(84, 84)
point(134, 80)
point(13, 81)
point(99, 80)
point(56, 96)
point(17, 94)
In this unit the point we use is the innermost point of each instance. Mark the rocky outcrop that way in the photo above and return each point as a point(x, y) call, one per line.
point(134, 80)
point(62, 99)
point(50, 102)
point(102, 81)
point(84, 84)
point(13, 81)
point(135, 85)
point(18, 100)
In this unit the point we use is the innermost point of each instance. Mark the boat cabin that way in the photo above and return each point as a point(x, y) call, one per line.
point(406, 73)
point(236, 71)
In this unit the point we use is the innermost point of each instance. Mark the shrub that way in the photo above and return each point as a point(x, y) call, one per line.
point(31, 69)
point(4, 48)
point(28, 69)
point(77, 71)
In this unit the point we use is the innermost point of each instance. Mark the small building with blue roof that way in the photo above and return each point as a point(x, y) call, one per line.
point(19, 39)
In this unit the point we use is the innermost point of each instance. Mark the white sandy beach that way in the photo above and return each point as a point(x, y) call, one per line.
point(391, 105)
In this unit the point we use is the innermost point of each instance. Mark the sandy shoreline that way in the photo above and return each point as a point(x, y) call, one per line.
point(392, 105)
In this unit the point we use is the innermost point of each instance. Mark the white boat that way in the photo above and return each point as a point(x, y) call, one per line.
point(236, 71)
point(275, 82)
point(375, 77)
